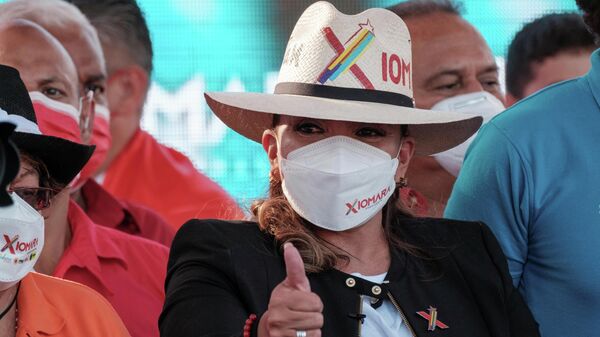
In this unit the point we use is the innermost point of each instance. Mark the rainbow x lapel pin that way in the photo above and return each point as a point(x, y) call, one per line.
point(431, 317)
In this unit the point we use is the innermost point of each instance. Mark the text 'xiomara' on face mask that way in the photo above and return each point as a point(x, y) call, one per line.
point(22, 231)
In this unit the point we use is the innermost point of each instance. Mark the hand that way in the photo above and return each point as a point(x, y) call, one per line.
point(292, 307)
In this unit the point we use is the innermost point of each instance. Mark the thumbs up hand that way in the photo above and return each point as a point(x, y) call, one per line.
point(292, 307)
point(294, 269)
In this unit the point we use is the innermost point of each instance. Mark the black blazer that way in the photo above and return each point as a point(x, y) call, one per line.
point(221, 272)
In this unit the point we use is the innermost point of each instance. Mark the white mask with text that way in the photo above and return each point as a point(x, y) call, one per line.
point(338, 183)
point(22, 231)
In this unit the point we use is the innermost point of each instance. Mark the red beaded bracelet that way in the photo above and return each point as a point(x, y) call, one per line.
point(248, 325)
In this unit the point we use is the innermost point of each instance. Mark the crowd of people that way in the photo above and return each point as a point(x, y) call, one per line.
point(409, 194)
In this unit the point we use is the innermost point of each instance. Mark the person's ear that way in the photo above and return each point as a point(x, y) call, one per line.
point(126, 91)
point(406, 153)
point(269, 143)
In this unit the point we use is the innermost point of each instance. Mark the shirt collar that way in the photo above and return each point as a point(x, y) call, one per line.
point(593, 76)
point(102, 205)
point(32, 304)
point(88, 249)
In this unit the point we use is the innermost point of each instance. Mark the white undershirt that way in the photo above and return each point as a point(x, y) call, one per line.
point(384, 321)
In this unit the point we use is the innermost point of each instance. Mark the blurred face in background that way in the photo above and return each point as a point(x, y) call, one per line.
point(563, 66)
point(50, 72)
point(83, 45)
point(86, 52)
point(450, 58)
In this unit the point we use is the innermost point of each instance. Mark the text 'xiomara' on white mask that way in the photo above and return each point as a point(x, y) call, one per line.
point(338, 183)
point(481, 104)
point(22, 231)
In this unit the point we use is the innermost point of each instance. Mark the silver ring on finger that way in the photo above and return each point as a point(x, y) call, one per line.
point(300, 333)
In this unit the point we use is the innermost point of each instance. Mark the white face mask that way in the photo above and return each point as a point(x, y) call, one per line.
point(481, 104)
point(338, 183)
point(21, 241)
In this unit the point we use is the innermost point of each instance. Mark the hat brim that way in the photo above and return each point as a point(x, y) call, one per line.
point(64, 159)
point(250, 114)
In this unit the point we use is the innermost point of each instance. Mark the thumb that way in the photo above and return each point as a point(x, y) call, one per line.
point(294, 267)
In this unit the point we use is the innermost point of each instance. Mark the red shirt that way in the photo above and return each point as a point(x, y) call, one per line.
point(128, 217)
point(128, 271)
point(49, 306)
point(166, 181)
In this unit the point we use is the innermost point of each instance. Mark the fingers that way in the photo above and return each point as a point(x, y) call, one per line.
point(293, 320)
point(294, 267)
point(296, 300)
point(287, 324)
point(292, 333)
point(291, 310)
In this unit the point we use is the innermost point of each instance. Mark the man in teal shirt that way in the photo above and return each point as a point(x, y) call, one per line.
point(533, 176)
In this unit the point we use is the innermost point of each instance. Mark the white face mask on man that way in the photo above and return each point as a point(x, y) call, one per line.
point(22, 231)
point(338, 183)
point(481, 104)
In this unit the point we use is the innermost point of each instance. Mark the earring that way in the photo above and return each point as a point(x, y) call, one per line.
point(402, 183)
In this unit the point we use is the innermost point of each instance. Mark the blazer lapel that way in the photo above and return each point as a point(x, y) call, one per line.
point(435, 303)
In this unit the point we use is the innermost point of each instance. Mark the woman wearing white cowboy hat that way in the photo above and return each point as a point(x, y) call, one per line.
point(329, 253)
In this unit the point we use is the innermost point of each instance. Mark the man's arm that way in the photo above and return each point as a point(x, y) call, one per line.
point(494, 187)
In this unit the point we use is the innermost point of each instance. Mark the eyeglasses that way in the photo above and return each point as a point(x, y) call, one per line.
point(39, 198)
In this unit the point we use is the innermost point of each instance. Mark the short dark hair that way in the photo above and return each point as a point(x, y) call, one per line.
point(544, 37)
point(591, 14)
point(414, 8)
point(121, 22)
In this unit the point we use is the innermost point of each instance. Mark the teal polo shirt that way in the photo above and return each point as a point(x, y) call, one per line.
point(533, 176)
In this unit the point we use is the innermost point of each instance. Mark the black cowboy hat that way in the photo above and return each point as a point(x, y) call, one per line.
point(64, 159)
point(9, 161)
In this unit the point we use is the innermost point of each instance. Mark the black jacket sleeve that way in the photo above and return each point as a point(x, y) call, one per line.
point(520, 319)
point(200, 287)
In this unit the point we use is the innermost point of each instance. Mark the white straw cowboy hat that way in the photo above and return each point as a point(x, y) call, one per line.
point(350, 68)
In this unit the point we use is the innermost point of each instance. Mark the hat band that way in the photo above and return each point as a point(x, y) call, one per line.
point(350, 94)
point(23, 124)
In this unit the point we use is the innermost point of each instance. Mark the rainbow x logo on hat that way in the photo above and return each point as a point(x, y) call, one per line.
point(348, 54)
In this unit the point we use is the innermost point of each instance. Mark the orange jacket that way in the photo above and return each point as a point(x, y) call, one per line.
point(49, 306)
